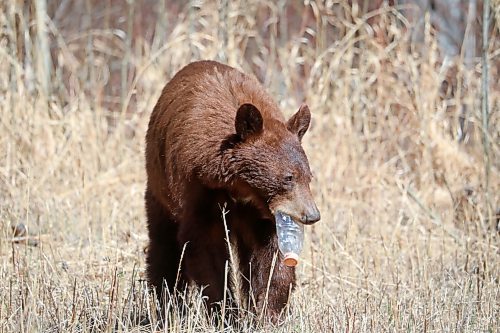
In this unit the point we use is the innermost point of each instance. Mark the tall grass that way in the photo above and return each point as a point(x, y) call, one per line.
point(405, 242)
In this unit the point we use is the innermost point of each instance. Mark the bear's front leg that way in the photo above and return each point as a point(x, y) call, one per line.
point(204, 259)
point(163, 255)
point(271, 280)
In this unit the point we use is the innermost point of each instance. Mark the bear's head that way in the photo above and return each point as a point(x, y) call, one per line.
point(270, 168)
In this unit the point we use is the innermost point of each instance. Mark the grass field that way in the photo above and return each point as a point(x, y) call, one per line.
point(408, 240)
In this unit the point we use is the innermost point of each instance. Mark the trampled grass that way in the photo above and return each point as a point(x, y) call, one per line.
point(408, 239)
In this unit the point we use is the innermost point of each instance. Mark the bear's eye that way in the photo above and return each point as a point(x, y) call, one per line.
point(288, 178)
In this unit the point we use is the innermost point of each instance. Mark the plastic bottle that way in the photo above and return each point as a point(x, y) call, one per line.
point(290, 238)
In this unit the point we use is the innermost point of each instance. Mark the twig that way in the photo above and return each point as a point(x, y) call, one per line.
point(126, 58)
point(223, 29)
point(28, 240)
point(485, 107)
point(434, 218)
point(268, 287)
point(231, 268)
point(224, 299)
point(43, 61)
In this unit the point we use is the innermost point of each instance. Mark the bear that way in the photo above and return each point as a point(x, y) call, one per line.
point(217, 140)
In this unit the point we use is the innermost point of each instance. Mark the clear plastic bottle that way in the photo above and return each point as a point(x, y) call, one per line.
point(290, 238)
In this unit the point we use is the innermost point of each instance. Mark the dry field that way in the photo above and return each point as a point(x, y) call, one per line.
point(408, 240)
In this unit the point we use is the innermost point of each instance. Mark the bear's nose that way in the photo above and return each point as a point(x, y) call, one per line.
point(311, 216)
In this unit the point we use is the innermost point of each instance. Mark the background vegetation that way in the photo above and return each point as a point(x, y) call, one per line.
point(406, 182)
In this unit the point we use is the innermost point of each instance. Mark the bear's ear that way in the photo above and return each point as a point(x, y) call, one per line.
point(248, 121)
point(299, 123)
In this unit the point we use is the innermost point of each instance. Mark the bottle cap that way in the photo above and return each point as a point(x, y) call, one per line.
point(291, 259)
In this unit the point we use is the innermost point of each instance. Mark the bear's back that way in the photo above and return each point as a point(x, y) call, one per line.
point(215, 91)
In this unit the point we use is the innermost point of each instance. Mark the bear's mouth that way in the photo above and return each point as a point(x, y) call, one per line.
point(287, 215)
point(284, 212)
point(297, 219)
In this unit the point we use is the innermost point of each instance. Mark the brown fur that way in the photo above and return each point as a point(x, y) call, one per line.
point(216, 138)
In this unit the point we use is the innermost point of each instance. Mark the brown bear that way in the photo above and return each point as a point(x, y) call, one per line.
point(217, 139)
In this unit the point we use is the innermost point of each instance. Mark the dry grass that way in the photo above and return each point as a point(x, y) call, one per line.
point(406, 241)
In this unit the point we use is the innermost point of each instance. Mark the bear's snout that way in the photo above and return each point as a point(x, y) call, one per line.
point(311, 215)
point(298, 204)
